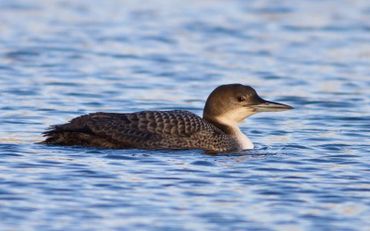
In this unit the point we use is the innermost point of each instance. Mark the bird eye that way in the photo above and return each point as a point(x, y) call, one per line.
point(241, 98)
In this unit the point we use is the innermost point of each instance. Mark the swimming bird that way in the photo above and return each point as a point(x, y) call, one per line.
point(218, 130)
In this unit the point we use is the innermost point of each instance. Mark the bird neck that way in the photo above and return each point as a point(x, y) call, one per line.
point(231, 128)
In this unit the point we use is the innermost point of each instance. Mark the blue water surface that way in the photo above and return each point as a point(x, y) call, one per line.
point(311, 166)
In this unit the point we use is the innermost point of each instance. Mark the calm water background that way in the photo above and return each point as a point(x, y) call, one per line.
point(309, 171)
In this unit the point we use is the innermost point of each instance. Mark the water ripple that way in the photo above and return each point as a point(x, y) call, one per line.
point(310, 167)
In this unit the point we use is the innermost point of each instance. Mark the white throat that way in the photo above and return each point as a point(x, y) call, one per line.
point(243, 140)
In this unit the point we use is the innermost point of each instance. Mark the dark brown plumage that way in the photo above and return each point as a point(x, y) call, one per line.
point(144, 130)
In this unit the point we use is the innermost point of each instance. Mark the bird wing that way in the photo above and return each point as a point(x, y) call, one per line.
point(135, 127)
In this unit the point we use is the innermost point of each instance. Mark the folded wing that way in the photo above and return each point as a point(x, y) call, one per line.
point(147, 129)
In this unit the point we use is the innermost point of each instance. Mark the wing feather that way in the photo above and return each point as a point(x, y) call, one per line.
point(134, 129)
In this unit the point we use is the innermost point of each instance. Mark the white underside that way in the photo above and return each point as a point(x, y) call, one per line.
point(232, 119)
point(243, 140)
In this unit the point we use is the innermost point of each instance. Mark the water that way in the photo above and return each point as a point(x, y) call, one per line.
point(311, 166)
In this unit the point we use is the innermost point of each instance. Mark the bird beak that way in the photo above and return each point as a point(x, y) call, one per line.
point(267, 106)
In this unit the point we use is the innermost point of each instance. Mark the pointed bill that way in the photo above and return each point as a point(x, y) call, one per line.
point(268, 106)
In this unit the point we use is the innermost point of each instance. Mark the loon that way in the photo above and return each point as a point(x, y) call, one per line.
point(218, 130)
